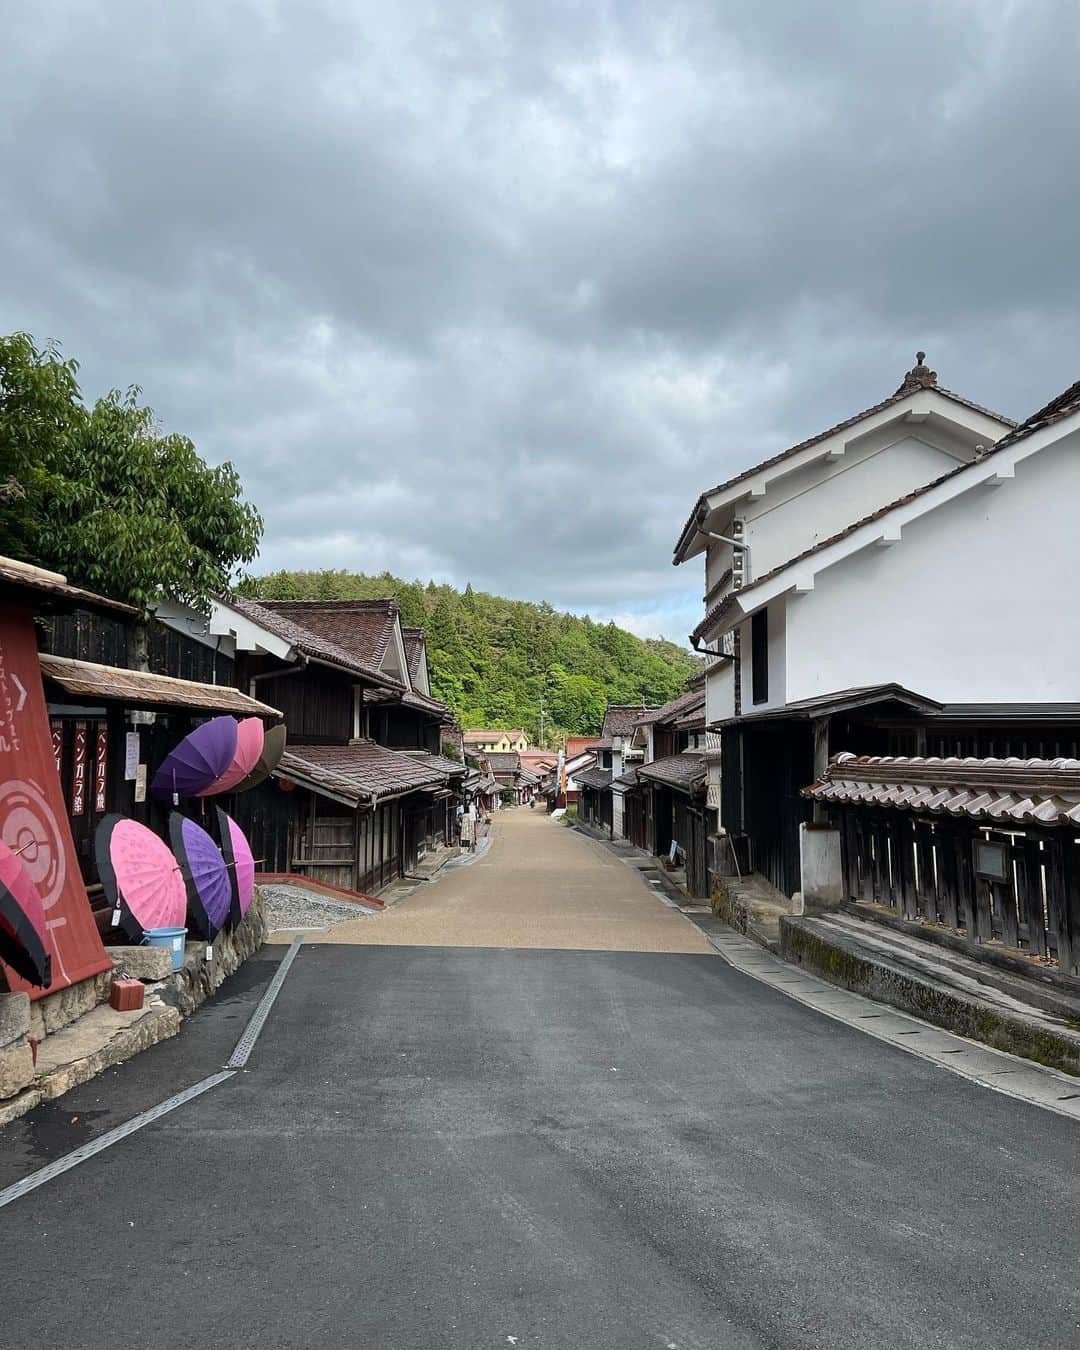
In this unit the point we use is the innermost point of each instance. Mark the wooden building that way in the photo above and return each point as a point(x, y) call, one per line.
point(363, 790)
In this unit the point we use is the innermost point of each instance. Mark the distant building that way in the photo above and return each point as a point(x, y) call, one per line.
point(501, 742)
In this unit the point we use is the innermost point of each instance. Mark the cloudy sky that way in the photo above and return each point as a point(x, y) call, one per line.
point(490, 292)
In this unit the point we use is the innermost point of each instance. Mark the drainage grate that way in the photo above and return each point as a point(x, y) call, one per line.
point(110, 1137)
point(244, 1046)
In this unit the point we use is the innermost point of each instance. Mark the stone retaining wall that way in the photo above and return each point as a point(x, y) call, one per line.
point(74, 1014)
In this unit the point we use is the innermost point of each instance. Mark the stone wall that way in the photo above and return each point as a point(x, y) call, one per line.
point(77, 1015)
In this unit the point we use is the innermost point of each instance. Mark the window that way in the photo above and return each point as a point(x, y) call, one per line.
point(759, 655)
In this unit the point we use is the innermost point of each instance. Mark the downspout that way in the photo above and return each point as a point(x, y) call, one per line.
point(737, 583)
point(300, 664)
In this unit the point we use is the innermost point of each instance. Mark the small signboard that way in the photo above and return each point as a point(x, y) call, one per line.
point(140, 783)
point(101, 768)
point(131, 755)
point(992, 859)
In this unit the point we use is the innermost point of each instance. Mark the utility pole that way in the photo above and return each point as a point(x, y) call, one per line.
point(542, 745)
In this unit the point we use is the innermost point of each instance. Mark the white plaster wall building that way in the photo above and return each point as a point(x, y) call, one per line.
point(918, 555)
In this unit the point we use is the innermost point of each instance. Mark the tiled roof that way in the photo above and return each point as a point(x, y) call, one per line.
point(308, 642)
point(620, 718)
point(1059, 407)
point(1056, 410)
point(686, 772)
point(914, 382)
point(47, 587)
point(142, 689)
point(363, 628)
point(361, 773)
point(504, 761)
point(841, 700)
point(414, 639)
point(693, 719)
point(627, 779)
point(576, 745)
point(480, 734)
point(593, 778)
point(692, 699)
point(1012, 791)
point(452, 768)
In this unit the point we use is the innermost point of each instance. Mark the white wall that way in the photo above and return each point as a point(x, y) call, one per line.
point(976, 603)
point(719, 694)
point(777, 660)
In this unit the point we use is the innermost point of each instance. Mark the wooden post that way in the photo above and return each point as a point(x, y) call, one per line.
point(924, 848)
point(945, 847)
point(902, 847)
point(965, 882)
point(1005, 904)
point(1029, 867)
point(1058, 899)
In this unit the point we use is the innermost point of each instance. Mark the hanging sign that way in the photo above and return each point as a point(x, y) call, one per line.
point(140, 783)
point(57, 728)
point(78, 771)
point(33, 814)
point(101, 769)
point(131, 756)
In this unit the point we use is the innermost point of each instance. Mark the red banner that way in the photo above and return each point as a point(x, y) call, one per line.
point(78, 771)
point(101, 769)
point(33, 814)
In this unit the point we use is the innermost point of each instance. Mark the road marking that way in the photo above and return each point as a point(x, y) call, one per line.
point(110, 1137)
point(237, 1060)
point(244, 1046)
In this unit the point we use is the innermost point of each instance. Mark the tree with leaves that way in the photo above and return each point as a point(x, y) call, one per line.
point(493, 659)
point(104, 495)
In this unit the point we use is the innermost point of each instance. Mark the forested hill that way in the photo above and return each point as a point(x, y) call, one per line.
point(492, 659)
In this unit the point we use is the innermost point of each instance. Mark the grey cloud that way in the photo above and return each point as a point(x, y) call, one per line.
point(492, 291)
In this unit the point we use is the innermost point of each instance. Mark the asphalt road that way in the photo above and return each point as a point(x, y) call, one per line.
point(464, 1148)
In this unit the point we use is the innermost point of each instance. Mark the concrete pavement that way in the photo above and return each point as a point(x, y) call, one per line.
point(441, 1146)
point(540, 884)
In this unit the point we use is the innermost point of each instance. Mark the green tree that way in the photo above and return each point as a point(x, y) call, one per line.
point(493, 659)
point(102, 494)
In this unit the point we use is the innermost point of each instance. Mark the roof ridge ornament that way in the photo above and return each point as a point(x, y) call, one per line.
point(918, 377)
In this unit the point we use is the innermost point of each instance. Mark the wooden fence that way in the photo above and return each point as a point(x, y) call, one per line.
point(925, 868)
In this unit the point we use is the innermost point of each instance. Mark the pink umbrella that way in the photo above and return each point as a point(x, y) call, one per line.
point(141, 877)
point(23, 940)
point(241, 865)
point(250, 737)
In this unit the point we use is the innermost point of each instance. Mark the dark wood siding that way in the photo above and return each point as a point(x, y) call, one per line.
point(87, 636)
point(316, 703)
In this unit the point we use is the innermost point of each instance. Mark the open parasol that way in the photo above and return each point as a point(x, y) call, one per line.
point(273, 749)
point(140, 876)
point(250, 738)
point(22, 921)
point(241, 865)
point(206, 877)
point(199, 760)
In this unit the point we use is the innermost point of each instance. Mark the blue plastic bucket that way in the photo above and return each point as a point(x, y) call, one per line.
point(173, 938)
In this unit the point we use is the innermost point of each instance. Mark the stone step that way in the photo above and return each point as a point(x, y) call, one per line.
point(951, 990)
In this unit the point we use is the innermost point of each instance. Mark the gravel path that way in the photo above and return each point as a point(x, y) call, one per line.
point(292, 907)
point(538, 885)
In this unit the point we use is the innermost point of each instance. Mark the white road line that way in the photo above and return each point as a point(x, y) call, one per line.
point(237, 1060)
point(110, 1137)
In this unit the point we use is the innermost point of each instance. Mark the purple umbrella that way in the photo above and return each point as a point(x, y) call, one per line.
point(206, 876)
point(197, 761)
point(241, 865)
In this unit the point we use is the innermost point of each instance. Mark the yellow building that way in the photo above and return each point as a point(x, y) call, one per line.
point(500, 742)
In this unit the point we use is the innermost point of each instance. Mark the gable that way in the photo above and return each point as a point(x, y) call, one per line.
point(968, 603)
point(942, 419)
